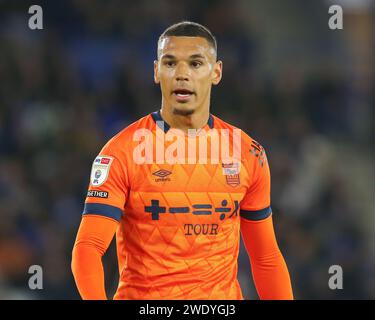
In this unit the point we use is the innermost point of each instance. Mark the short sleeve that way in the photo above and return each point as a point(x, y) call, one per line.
point(256, 204)
point(107, 191)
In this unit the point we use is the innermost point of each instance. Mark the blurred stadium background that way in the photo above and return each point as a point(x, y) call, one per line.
point(305, 92)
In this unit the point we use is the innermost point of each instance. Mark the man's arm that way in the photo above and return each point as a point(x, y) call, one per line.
point(270, 273)
point(93, 239)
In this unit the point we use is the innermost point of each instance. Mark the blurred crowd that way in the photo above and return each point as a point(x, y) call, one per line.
point(305, 92)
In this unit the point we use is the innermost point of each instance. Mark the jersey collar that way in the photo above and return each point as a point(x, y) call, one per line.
point(157, 117)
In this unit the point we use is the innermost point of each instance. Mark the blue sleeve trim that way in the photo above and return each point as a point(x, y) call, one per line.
point(257, 214)
point(103, 210)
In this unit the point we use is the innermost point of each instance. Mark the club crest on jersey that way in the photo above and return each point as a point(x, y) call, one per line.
point(100, 170)
point(232, 173)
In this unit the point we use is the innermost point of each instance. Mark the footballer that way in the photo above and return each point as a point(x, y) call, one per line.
point(177, 217)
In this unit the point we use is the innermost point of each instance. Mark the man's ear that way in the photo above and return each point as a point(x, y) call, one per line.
point(217, 72)
point(156, 72)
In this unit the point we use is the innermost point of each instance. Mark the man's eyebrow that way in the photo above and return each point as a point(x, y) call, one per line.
point(168, 56)
point(197, 56)
point(193, 56)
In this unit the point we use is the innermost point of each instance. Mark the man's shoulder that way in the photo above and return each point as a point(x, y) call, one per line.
point(221, 124)
point(247, 140)
point(123, 139)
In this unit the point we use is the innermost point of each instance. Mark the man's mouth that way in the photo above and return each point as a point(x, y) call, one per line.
point(182, 94)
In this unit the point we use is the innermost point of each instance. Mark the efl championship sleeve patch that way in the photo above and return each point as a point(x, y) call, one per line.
point(100, 170)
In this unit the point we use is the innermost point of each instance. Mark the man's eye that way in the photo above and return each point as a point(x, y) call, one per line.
point(169, 63)
point(196, 64)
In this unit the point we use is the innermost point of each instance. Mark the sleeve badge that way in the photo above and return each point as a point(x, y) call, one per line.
point(100, 169)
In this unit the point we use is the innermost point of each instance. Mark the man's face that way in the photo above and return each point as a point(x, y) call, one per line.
point(186, 69)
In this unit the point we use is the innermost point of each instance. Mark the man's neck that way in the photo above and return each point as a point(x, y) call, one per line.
point(196, 120)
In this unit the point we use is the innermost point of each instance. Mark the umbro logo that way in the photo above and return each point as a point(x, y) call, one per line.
point(162, 173)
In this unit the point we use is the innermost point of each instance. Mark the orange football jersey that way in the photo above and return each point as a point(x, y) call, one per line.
point(179, 223)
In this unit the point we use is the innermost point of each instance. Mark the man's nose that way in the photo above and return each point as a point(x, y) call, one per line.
point(182, 72)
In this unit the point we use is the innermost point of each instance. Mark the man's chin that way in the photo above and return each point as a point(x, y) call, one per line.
point(178, 111)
